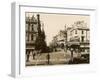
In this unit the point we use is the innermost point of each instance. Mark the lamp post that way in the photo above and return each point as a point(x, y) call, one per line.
point(65, 38)
point(71, 54)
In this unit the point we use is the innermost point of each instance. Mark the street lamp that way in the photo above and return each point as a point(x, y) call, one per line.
point(72, 54)
point(65, 38)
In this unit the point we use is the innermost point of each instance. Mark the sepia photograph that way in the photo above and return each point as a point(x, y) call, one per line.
point(56, 39)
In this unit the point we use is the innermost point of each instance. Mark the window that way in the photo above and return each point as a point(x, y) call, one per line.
point(26, 27)
point(82, 32)
point(35, 27)
point(32, 37)
point(75, 31)
point(82, 39)
point(27, 37)
point(32, 27)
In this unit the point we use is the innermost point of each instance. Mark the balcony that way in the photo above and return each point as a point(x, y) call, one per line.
point(30, 42)
point(85, 42)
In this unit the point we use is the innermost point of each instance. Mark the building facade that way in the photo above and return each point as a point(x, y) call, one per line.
point(76, 36)
point(61, 37)
point(33, 29)
point(80, 35)
point(31, 33)
point(59, 40)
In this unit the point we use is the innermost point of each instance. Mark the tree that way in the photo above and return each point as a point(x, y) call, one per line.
point(40, 43)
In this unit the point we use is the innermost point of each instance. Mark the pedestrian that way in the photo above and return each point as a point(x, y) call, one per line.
point(33, 54)
point(48, 58)
point(71, 54)
point(79, 54)
point(28, 55)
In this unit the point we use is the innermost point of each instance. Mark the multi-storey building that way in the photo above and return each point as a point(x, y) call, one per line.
point(31, 33)
point(76, 36)
point(61, 37)
point(80, 35)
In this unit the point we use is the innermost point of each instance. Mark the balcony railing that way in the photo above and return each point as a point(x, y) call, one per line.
point(30, 42)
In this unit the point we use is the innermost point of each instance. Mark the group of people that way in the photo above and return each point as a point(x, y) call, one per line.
point(37, 53)
point(34, 53)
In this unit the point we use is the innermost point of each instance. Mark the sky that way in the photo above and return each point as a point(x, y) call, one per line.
point(53, 23)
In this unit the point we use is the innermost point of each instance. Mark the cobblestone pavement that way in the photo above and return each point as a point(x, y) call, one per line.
point(60, 57)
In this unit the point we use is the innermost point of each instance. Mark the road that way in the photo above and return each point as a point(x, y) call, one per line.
point(60, 57)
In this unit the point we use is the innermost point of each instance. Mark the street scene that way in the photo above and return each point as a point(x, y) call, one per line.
point(56, 39)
